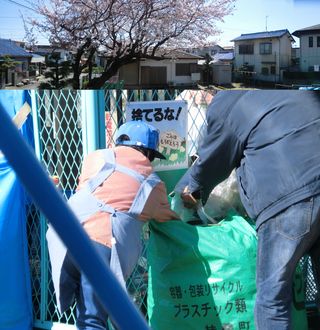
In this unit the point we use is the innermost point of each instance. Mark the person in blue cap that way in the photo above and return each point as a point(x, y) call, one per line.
point(272, 139)
point(118, 193)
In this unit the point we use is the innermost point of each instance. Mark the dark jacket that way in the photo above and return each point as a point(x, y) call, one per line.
point(272, 138)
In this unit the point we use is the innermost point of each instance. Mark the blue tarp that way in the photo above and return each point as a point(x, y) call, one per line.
point(15, 286)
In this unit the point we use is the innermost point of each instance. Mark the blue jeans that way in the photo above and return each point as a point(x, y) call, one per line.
point(282, 241)
point(91, 315)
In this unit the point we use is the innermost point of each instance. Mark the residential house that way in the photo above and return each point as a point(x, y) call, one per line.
point(21, 61)
point(265, 54)
point(47, 51)
point(218, 71)
point(309, 48)
point(295, 59)
point(37, 64)
point(224, 57)
point(210, 50)
point(216, 52)
point(222, 67)
point(174, 69)
point(220, 62)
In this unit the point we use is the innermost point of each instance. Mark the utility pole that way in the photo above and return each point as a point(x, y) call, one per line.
point(267, 23)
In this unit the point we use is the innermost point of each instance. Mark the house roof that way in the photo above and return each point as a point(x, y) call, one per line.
point(263, 35)
point(224, 56)
point(228, 48)
point(49, 49)
point(10, 48)
point(36, 58)
point(307, 30)
point(178, 54)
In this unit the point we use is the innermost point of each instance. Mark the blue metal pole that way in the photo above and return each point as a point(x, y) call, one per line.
point(115, 299)
point(35, 122)
point(93, 120)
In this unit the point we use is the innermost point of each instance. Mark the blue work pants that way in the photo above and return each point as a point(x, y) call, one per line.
point(282, 241)
point(91, 315)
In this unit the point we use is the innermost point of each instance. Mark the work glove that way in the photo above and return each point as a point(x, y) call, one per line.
point(190, 200)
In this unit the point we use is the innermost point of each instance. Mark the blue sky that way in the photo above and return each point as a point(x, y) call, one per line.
point(253, 15)
point(249, 16)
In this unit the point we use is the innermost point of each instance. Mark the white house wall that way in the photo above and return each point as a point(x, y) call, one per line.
point(285, 52)
point(280, 57)
point(222, 74)
point(309, 56)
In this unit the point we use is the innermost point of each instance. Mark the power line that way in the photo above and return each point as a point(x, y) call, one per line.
point(21, 5)
point(16, 17)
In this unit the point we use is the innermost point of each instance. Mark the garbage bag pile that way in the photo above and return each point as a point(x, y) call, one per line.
point(202, 269)
point(223, 199)
point(201, 277)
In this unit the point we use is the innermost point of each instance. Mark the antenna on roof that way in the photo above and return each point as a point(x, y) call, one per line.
point(267, 23)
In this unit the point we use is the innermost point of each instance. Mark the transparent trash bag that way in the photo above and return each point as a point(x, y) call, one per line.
point(224, 198)
point(196, 215)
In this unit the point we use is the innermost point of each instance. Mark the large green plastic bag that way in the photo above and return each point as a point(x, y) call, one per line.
point(203, 277)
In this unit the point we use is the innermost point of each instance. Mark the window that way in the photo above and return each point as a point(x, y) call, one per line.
point(245, 49)
point(318, 41)
point(265, 71)
point(183, 69)
point(272, 69)
point(310, 42)
point(266, 48)
point(153, 75)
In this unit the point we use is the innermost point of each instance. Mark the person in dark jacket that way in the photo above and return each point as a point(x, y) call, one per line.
point(272, 139)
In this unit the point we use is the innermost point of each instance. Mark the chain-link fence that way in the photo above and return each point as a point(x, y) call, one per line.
point(58, 135)
point(59, 145)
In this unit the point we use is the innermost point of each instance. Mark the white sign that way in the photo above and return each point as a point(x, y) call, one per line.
point(170, 118)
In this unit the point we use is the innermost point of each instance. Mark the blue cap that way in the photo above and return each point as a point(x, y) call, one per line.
point(140, 134)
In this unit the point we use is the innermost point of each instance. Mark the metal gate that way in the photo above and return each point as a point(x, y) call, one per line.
point(69, 124)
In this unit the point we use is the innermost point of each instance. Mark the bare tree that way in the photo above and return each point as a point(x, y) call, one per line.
point(127, 30)
point(30, 36)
